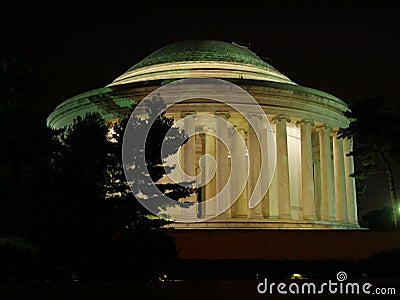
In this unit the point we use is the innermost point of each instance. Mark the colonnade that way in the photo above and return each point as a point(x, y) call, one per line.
point(326, 192)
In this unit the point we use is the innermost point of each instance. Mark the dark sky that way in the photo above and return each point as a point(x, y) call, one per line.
point(350, 49)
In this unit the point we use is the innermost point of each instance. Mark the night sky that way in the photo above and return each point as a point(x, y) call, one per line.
point(349, 49)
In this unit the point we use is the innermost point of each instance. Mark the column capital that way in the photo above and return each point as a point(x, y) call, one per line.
point(240, 128)
point(254, 115)
point(223, 114)
point(335, 132)
point(348, 141)
point(276, 118)
point(323, 126)
point(306, 122)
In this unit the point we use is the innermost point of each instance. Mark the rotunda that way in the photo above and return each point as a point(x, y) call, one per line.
point(311, 186)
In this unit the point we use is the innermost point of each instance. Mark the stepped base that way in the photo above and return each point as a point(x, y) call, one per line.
point(244, 223)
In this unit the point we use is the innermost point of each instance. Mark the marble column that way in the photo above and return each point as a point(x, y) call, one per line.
point(239, 167)
point(340, 179)
point(282, 169)
point(327, 179)
point(209, 188)
point(317, 188)
point(189, 148)
point(255, 167)
point(350, 183)
point(273, 197)
point(267, 140)
point(188, 158)
point(223, 170)
point(307, 177)
point(201, 191)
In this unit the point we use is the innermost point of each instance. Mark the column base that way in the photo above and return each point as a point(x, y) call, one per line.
point(239, 217)
point(343, 221)
point(264, 224)
point(310, 218)
point(224, 216)
point(210, 216)
point(255, 216)
point(285, 217)
point(328, 220)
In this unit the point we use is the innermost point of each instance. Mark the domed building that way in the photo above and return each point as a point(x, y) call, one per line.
point(311, 187)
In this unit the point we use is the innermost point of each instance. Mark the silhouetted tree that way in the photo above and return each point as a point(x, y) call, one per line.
point(78, 217)
point(17, 82)
point(22, 133)
point(132, 213)
point(91, 202)
point(376, 132)
point(381, 219)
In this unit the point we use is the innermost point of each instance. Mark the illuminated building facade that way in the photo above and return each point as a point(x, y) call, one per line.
point(311, 187)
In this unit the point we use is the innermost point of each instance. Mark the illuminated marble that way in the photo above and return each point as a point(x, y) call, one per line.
point(311, 188)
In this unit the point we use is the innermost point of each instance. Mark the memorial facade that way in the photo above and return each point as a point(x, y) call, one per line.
point(311, 187)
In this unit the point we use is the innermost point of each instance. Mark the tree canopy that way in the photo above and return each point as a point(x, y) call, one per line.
point(376, 131)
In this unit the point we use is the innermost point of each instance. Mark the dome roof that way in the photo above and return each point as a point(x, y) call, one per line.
point(204, 59)
point(208, 50)
point(198, 58)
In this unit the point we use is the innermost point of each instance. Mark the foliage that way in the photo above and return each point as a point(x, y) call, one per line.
point(61, 168)
point(23, 134)
point(91, 205)
point(17, 81)
point(376, 132)
point(152, 156)
point(373, 125)
point(381, 219)
point(66, 189)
